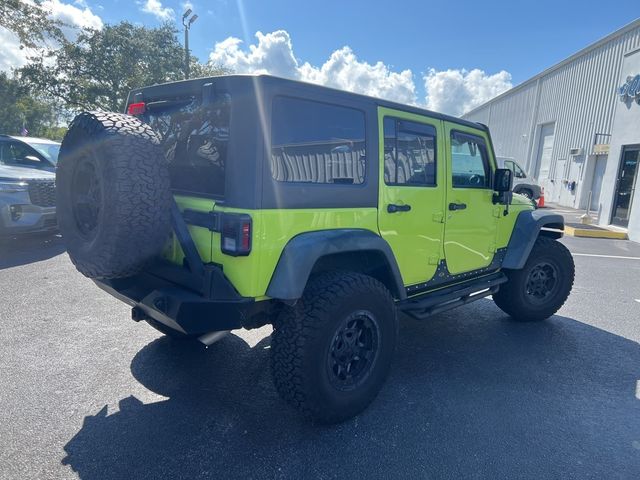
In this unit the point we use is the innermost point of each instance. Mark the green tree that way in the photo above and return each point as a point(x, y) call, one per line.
point(19, 108)
point(98, 70)
point(30, 22)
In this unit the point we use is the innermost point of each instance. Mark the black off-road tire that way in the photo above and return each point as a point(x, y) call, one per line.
point(306, 343)
point(113, 194)
point(520, 297)
point(525, 192)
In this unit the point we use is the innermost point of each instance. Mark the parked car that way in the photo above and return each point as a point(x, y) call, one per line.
point(522, 183)
point(27, 201)
point(241, 201)
point(29, 152)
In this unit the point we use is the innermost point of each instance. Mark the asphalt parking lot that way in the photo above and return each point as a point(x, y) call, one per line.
point(86, 392)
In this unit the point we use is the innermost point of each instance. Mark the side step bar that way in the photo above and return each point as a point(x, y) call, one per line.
point(428, 304)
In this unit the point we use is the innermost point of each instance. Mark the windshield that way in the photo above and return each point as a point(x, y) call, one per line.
point(48, 150)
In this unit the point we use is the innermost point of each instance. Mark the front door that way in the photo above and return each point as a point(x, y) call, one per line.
point(471, 221)
point(410, 204)
point(625, 187)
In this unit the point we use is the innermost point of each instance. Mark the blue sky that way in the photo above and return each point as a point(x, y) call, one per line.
point(520, 39)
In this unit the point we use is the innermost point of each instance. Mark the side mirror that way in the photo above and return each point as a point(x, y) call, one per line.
point(502, 184)
point(502, 180)
point(32, 159)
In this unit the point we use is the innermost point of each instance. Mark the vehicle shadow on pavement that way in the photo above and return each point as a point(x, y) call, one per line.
point(26, 249)
point(471, 395)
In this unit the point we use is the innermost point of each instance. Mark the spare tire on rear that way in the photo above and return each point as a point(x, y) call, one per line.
point(113, 194)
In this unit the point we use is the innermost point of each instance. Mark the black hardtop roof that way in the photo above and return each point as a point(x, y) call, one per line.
point(196, 83)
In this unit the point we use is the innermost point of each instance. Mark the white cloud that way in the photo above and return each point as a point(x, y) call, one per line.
point(155, 8)
point(73, 16)
point(450, 91)
point(273, 54)
point(458, 91)
point(12, 56)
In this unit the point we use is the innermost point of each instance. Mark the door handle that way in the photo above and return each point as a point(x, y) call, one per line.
point(457, 206)
point(391, 208)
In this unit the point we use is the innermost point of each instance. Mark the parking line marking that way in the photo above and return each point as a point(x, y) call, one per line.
point(638, 389)
point(604, 256)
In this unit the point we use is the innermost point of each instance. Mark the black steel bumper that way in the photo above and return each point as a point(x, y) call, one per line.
point(185, 302)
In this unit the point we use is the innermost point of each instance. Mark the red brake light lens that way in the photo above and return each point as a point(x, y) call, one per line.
point(235, 236)
point(136, 108)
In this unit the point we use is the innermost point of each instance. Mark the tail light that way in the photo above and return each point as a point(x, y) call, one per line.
point(235, 236)
point(136, 108)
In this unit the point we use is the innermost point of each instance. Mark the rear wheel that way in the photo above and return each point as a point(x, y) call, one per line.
point(538, 290)
point(332, 351)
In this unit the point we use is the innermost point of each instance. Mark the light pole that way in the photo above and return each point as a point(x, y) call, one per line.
point(187, 26)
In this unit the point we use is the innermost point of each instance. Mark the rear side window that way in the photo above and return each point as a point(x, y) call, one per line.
point(409, 153)
point(469, 161)
point(313, 142)
point(195, 139)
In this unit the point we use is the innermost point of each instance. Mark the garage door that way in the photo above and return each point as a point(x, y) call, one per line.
point(545, 149)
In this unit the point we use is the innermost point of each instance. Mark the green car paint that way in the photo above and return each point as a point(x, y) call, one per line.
point(419, 238)
point(272, 229)
point(470, 234)
point(415, 236)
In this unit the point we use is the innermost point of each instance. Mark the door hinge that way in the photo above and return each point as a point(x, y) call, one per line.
point(497, 211)
point(434, 260)
point(438, 217)
point(210, 220)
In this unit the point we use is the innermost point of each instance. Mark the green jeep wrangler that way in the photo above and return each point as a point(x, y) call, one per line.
point(240, 201)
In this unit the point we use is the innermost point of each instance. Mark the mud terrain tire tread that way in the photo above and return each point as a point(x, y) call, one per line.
point(307, 323)
point(134, 220)
point(511, 298)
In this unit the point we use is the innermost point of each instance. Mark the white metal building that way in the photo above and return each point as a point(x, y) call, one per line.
point(576, 127)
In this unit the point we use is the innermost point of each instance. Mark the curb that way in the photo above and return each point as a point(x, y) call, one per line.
point(577, 230)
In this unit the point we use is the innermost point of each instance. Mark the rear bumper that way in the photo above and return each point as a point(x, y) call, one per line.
point(191, 306)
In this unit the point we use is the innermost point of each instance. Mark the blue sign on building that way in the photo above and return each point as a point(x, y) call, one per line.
point(630, 91)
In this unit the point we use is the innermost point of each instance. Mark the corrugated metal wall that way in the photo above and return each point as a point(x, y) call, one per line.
point(579, 95)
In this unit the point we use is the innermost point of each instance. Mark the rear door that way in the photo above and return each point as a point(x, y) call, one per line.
point(471, 219)
point(411, 194)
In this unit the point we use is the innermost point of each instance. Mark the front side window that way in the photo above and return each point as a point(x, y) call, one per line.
point(518, 172)
point(409, 153)
point(469, 161)
point(19, 154)
point(313, 142)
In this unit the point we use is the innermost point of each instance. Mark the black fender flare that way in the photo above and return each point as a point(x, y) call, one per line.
point(302, 252)
point(528, 226)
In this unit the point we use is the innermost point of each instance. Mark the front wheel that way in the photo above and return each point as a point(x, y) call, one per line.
point(332, 351)
point(538, 290)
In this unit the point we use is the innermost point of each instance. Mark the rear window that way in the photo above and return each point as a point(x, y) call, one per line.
point(195, 139)
point(313, 142)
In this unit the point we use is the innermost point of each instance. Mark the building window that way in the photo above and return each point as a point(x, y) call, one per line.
point(313, 142)
point(469, 161)
point(409, 153)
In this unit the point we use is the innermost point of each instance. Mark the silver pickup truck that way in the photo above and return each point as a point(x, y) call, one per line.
point(522, 183)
